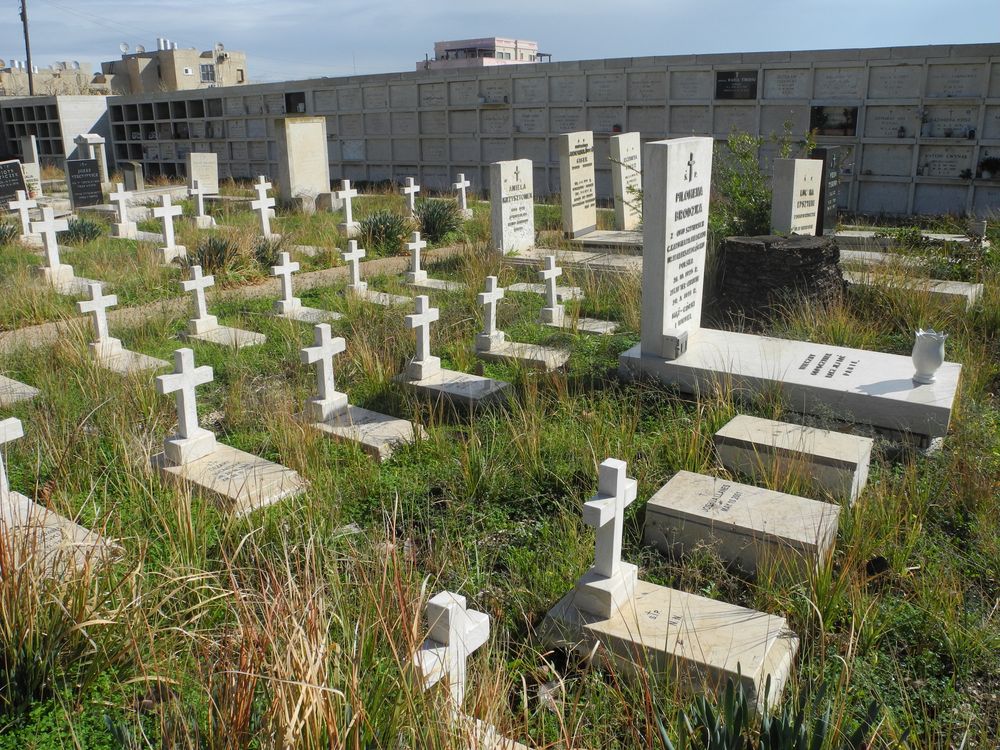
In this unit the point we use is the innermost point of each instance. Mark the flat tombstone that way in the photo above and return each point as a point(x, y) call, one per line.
point(677, 177)
point(626, 180)
point(203, 168)
point(512, 205)
point(84, 179)
point(577, 183)
point(11, 180)
point(303, 163)
point(829, 192)
point(833, 462)
point(795, 206)
point(132, 176)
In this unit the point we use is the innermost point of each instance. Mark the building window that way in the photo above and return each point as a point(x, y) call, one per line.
point(239, 75)
point(208, 73)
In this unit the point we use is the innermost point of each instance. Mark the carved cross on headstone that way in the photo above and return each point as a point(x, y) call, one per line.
point(420, 320)
point(460, 186)
point(183, 381)
point(121, 197)
point(605, 512)
point(22, 205)
point(10, 430)
point(263, 205)
point(549, 274)
point(97, 306)
point(353, 257)
point(345, 194)
point(321, 354)
point(410, 190)
point(48, 227)
point(198, 193)
point(489, 299)
point(690, 173)
point(198, 284)
point(453, 633)
point(285, 268)
point(167, 212)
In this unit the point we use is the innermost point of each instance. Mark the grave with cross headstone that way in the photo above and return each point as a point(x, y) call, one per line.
point(203, 171)
point(512, 206)
point(359, 288)
point(854, 385)
point(577, 183)
point(201, 219)
point(192, 456)
point(83, 178)
point(657, 632)
point(60, 275)
point(409, 191)
point(461, 185)
point(417, 276)
point(53, 545)
point(626, 182)
point(123, 228)
point(264, 206)
point(12, 179)
point(91, 146)
point(425, 375)
point(23, 205)
point(31, 165)
point(796, 188)
point(554, 314)
point(303, 161)
point(349, 227)
point(377, 434)
point(492, 343)
point(167, 211)
point(106, 350)
point(14, 391)
point(289, 306)
point(205, 327)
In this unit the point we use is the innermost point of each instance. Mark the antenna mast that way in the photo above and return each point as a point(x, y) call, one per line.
point(27, 48)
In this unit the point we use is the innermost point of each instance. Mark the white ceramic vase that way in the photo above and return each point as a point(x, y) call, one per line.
point(928, 354)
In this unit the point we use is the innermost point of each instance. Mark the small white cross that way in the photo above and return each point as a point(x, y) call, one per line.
point(167, 212)
point(198, 284)
point(48, 227)
point(345, 194)
point(121, 196)
point(10, 429)
point(421, 320)
point(98, 305)
point(352, 257)
point(489, 299)
point(326, 346)
point(460, 186)
point(410, 191)
point(605, 512)
point(453, 633)
point(549, 274)
point(415, 246)
point(199, 193)
point(263, 204)
point(182, 381)
point(22, 206)
point(285, 268)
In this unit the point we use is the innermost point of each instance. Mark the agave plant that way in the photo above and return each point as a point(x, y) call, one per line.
point(383, 232)
point(8, 233)
point(438, 218)
point(217, 253)
point(83, 230)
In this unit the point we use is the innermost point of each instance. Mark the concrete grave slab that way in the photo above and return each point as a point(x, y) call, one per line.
point(13, 391)
point(378, 434)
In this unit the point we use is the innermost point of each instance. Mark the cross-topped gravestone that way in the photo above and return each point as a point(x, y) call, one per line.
point(352, 258)
point(463, 203)
point(198, 283)
point(423, 364)
point(490, 336)
point(410, 190)
point(263, 205)
point(10, 430)
point(416, 273)
point(453, 633)
point(330, 401)
point(284, 270)
point(350, 227)
point(97, 305)
point(198, 192)
point(167, 211)
point(577, 182)
point(123, 227)
point(191, 441)
point(23, 205)
point(512, 213)
point(54, 271)
point(553, 313)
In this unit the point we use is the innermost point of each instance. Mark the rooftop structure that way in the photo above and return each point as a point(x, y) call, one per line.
point(172, 68)
point(483, 52)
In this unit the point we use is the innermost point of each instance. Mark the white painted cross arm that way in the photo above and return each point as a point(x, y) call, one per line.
point(605, 512)
point(453, 633)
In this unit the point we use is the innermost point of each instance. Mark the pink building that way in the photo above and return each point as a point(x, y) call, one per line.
point(481, 53)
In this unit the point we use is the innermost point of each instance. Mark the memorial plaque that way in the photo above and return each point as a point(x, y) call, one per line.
point(375, 97)
point(529, 121)
point(626, 180)
point(605, 119)
point(644, 87)
point(464, 121)
point(651, 120)
point(512, 202)
point(888, 159)
point(691, 84)
point(831, 157)
point(786, 84)
point(404, 123)
point(403, 96)
point(203, 167)
point(377, 123)
point(838, 83)
point(944, 161)
point(895, 81)
point(349, 99)
point(955, 80)
point(11, 179)
point(462, 93)
point(84, 179)
point(434, 122)
point(567, 89)
point(530, 90)
point(606, 87)
point(796, 203)
point(950, 122)
point(694, 120)
point(495, 90)
point(495, 122)
point(325, 102)
point(576, 178)
point(885, 122)
point(433, 95)
point(303, 162)
point(736, 84)
point(565, 119)
point(735, 118)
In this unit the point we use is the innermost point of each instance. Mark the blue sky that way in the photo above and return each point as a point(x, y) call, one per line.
point(310, 38)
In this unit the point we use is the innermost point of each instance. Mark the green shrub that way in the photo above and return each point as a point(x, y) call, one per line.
point(83, 230)
point(438, 219)
point(741, 196)
point(384, 232)
point(266, 250)
point(8, 233)
point(215, 254)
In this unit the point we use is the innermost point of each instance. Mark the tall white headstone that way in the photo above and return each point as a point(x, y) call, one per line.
point(626, 179)
point(170, 250)
point(329, 401)
point(346, 193)
point(263, 205)
point(416, 274)
point(191, 441)
point(352, 258)
point(409, 191)
point(123, 228)
point(423, 363)
point(198, 192)
point(303, 162)
point(54, 271)
point(23, 205)
point(203, 171)
point(577, 183)
point(795, 201)
point(512, 205)
point(463, 202)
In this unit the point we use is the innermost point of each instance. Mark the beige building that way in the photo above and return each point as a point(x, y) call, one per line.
point(482, 53)
point(170, 68)
point(60, 78)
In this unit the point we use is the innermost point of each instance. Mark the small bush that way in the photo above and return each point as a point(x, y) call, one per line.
point(265, 251)
point(217, 253)
point(384, 232)
point(8, 233)
point(83, 230)
point(438, 219)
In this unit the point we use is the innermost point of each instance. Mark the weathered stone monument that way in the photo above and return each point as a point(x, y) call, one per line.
point(12, 179)
point(291, 307)
point(123, 228)
point(83, 178)
point(91, 146)
point(303, 162)
point(205, 327)
point(106, 350)
point(203, 171)
point(577, 183)
point(167, 211)
point(626, 180)
point(492, 343)
point(512, 206)
point(132, 176)
point(796, 188)
point(31, 166)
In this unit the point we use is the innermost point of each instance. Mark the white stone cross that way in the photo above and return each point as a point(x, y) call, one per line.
point(460, 186)
point(410, 190)
point(352, 257)
point(263, 204)
point(198, 284)
point(48, 227)
point(199, 193)
point(489, 299)
point(453, 633)
point(167, 212)
point(22, 206)
point(185, 378)
point(285, 268)
point(321, 354)
point(345, 194)
point(10, 429)
point(605, 512)
point(97, 306)
point(421, 320)
point(415, 246)
point(549, 274)
point(121, 197)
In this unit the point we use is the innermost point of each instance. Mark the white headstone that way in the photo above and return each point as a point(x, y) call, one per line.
point(416, 273)
point(410, 191)
point(123, 227)
point(512, 205)
point(454, 632)
point(198, 192)
point(553, 313)
point(463, 203)
point(352, 258)
point(23, 205)
point(423, 364)
point(330, 401)
point(203, 170)
point(346, 193)
point(577, 183)
point(10, 429)
point(198, 283)
point(795, 196)
point(303, 160)
point(284, 270)
point(48, 228)
point(191, 441)
point(97, 306)
point(490, 336)
point(263, 205)
point(626, 179)
point(167, 212)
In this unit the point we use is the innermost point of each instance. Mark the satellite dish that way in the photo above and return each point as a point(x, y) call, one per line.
point(220, 46)
point(76, 65)
point(57, 66)
point(139, 48)
point(123, 46)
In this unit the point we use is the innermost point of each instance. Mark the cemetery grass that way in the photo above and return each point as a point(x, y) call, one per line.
point(285, 629)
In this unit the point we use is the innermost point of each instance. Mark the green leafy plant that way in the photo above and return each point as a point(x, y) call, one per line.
point(265, 251)
point(438, 219)
point(383, 232)
point(83, 230)
point(216, 253)
point(8, 233)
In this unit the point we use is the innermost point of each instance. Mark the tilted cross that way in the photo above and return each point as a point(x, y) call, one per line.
point(460, 186)
point(549, 274)
point(345, 194)
point(121, 197)
point(421, 320)
point(10, 429)
point(97, 306)
point(410, 191)
point(167, 212)
point(199, 194)
point(263, 204)
point(489, 299)
point(352, 257)
point(185, 378)
point(285, 269)
point(605, 512)
point(198, 284)
point(415, 246)
point(326, 346)
point(48, 227)
point(453, 633)
point(22, 206)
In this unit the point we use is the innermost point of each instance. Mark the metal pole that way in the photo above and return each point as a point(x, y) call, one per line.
point(27, 48)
